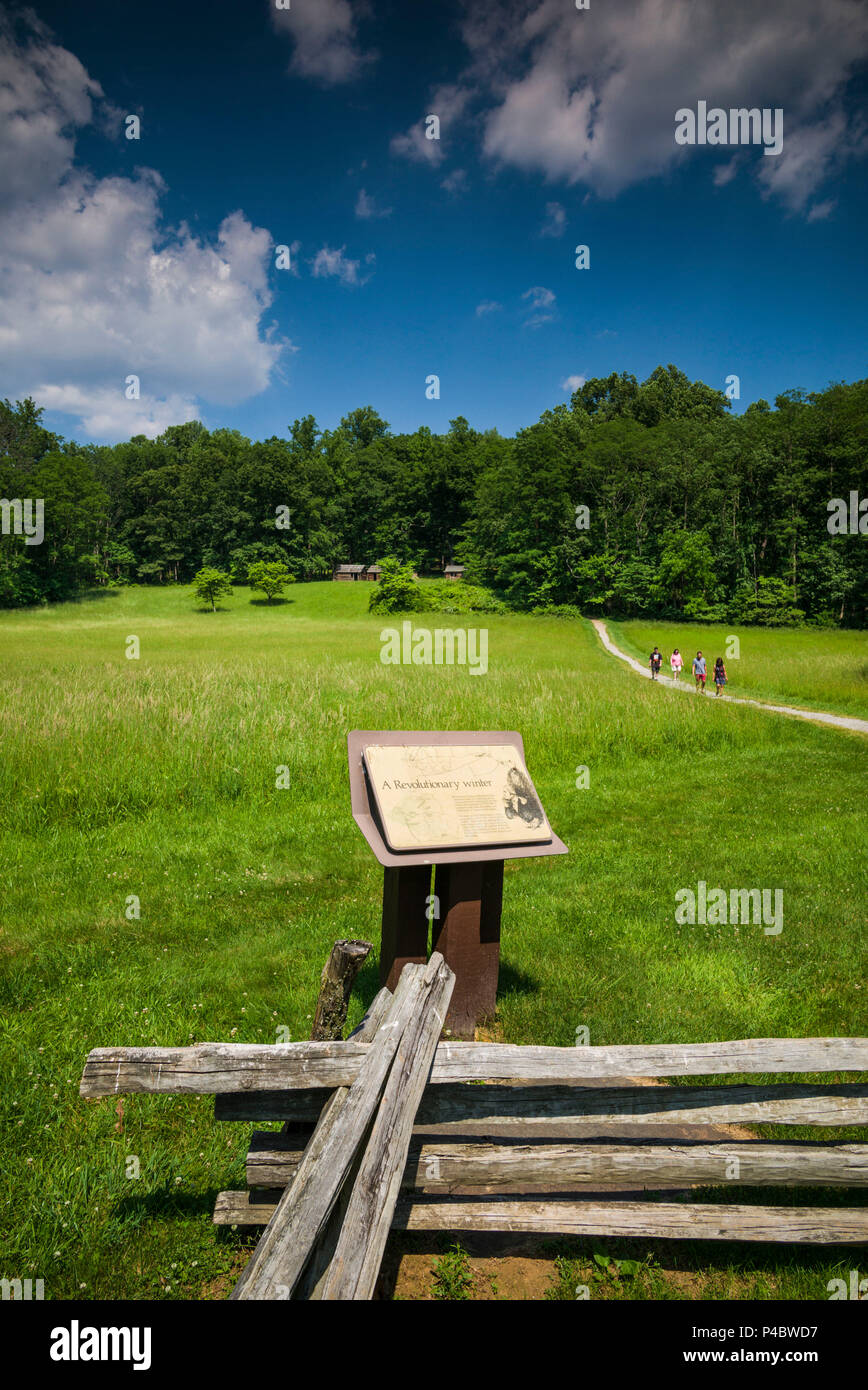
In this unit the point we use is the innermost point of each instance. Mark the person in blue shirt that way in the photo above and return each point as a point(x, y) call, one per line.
point(699, 671)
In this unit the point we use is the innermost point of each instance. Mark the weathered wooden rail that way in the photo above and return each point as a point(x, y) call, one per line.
point(348, 1166)
point(560, 1217)
point(229, 1069)
point(273, 1160)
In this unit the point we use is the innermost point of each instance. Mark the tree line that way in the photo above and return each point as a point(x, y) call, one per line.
point(634, 498)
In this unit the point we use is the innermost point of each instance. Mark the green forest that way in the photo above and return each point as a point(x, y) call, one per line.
point(634, 499)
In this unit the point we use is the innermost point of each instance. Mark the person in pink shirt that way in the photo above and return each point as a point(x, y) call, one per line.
point(676, 662)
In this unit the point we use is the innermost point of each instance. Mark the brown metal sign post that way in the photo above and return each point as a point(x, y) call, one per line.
point(468, 937)
point(404, 933)
point(467, 885)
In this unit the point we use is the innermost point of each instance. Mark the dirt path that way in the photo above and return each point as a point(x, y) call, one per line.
point(840, 721)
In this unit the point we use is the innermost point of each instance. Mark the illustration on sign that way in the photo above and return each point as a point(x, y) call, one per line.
point(456, 796)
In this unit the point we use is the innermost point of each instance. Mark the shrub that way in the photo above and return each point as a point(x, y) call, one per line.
point(454, 596)
point(397, 590)
point(557, 610)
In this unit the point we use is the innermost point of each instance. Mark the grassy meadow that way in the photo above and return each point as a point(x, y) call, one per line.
point(811, 668)
point(156, 777)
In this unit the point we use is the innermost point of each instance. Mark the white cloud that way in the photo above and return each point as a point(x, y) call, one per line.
point(415, 144)
point(366, 207)
point(540, 297)
point(488, 306)
point(329, 263)
point(93, 287)
point(326, 44)
point(456, 182)
point(44, 93)
point(107, 414)
point(591, 98)
point(541, 300)
point(448, 104)
point(808, 157)
point(572, 383)
point(556, 220)
point(725, 173)
point(820, 211)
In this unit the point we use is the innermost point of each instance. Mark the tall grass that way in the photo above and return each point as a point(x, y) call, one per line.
point(156, 779)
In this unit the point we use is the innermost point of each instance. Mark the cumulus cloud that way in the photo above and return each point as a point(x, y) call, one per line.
point(367, 209)
point(44, 93)
point(809, 155)
point(725, 173)
point(488, 306)
point(93, 287)
point(572, 383)
point(541, 305)
point(820, 211)
point(107, 414)
point(539, 296)
point(590, 98)
point(556, 220)
point(416, 144)
point(326, 43)
point(447, 104)
point(456, 182)
point(331, 263)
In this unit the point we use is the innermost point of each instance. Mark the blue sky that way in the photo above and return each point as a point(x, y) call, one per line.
point(413, 257)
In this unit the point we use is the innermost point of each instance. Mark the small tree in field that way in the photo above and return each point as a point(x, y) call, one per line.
point(209, 584)
point(269, 577)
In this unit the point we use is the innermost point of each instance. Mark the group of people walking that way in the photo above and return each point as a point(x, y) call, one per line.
point(676, 662)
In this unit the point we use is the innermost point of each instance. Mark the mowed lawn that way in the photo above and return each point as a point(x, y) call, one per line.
point(156, 778)
point(813, 669)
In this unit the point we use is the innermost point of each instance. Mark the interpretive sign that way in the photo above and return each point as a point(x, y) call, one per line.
point(456, 797)
point(459, 803)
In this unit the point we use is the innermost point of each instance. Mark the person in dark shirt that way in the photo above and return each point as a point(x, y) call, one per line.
point(719, 675)
point(656, 661)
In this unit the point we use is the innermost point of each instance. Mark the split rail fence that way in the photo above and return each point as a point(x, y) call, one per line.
point(347, 1167)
